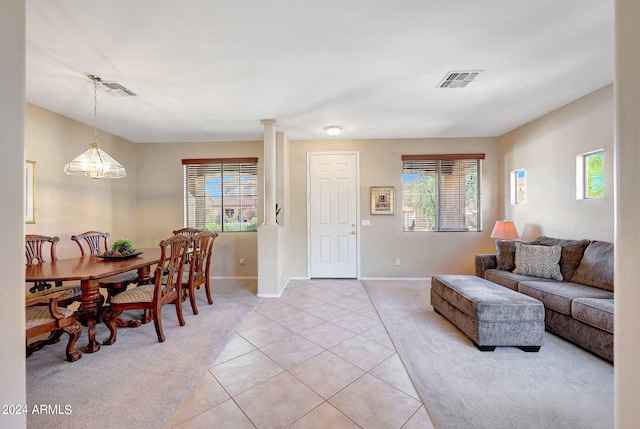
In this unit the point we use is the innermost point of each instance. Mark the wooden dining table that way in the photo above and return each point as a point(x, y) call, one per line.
point(89, 270)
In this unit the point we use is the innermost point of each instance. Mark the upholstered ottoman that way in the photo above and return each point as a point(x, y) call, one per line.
point(490, 314)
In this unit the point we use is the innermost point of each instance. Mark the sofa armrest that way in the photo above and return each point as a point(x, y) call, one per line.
point(485, 262)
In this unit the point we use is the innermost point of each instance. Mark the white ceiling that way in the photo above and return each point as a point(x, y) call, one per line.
point(206, 70)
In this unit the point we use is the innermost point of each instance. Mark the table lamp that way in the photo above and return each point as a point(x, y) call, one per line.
point(505, 230)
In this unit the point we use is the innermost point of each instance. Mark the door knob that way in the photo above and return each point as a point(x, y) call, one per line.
point(352, 232)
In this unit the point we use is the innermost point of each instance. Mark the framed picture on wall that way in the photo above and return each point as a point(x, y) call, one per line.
point(382, 200)
point(30, 192)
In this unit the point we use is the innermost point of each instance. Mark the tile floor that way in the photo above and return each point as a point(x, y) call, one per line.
point(317, 357)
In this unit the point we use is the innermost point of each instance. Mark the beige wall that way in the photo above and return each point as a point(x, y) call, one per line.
point(160, 197)
point(421, 254)
point(68, 205)
point(12, 116)
point(547, 148)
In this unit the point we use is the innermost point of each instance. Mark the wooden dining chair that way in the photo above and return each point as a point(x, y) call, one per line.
point(41, 319)
point(199, 267)
point(98, 243)
point(188, 231)
point(36, 253)
point(166, 289)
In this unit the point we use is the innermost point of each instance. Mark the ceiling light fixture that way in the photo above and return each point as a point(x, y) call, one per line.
point(95, 163)
point(333, 130)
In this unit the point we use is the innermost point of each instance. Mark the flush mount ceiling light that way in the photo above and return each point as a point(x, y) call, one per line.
point(95, 163)
point(458, 79)
point(333, 130)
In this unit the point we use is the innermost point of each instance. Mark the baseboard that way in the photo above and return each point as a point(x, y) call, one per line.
point(397, 278)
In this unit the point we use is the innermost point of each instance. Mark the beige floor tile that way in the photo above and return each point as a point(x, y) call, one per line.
point(254, 320)
point(324, 417)
point(327, 335)
point(420, 420)
point(326, 373)
point(328, 311)
point(370, 311)
point(362, 352)
point(301, 301)
point(225, 415)
point(349, 303)
point(206, 394)
point(393, 372)
point(246, 371)
point(299, 320)
point(291, 351)
point(355, 322)
point(238, 346)
point(277, 402)
point(265, 334)
point(373, 404)
point(379, 334)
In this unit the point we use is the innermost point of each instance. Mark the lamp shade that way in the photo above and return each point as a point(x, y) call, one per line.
point(504, 229)
point(96, 164)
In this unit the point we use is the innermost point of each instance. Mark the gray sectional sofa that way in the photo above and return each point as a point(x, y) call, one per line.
point(577, 291)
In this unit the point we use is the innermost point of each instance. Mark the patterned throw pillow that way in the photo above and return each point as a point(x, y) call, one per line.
point(538, 261)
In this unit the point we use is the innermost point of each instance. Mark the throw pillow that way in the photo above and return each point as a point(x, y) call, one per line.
point(506, 254)
point(538, 261)
point(596, 267)
point(572, 251)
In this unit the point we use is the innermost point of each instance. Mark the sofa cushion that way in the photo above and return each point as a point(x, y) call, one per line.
point(509, 279)
point(539, 261)
point(596, 267)
point(593, 311)
point(558, 296)
point(572, 252)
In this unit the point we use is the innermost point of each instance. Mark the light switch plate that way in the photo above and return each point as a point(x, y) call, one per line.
point(366, 222)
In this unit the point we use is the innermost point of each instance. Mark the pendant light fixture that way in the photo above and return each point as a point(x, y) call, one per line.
point(95, 163)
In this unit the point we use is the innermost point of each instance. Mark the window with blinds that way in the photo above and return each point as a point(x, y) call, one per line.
point(442, 192)
point(221, 194)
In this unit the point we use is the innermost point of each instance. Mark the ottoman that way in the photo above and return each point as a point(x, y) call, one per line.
point(490, 314)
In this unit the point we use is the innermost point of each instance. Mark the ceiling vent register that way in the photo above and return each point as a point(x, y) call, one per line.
point(114, 88)
point(458, 79)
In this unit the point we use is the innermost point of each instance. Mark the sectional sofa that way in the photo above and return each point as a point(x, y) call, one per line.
point(572, 278)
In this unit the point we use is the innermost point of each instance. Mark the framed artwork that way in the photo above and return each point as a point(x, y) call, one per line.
point(30, 192)
point(382, 200)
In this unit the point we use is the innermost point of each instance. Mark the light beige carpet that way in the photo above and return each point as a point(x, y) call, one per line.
point(562, 386)
point(137, 382)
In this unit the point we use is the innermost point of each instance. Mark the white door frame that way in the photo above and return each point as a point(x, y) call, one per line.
point(309, 155)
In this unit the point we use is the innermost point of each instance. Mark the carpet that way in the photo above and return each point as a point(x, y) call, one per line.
point(137, 382)
point(561, 386)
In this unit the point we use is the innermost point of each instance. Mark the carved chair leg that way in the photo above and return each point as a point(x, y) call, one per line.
point(207, 288)
point(110, 321)
point(192, 300)
point(74, 332)
point(133, 323)
point(157, 321)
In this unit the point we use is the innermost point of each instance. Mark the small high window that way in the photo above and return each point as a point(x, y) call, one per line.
point(590, 175)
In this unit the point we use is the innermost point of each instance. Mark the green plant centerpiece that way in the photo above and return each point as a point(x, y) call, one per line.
point(122, 247)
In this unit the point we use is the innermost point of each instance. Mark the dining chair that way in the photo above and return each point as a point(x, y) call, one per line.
point(41, 319)
point(199, 267)
point(35, 252)
point(166, 289)
point(98, 243)
point(188, 231)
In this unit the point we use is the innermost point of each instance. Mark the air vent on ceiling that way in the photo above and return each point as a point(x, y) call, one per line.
point(114, 88)
point(458, 79)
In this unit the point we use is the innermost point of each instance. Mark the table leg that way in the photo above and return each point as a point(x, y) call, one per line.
point(89, 309)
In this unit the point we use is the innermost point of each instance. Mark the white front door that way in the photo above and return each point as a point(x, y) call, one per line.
point(332, 214)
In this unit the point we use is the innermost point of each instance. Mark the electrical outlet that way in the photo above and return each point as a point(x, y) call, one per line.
point(241, 261)
point(397, 262)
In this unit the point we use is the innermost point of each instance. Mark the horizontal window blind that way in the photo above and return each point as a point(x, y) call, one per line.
point(221, 194)
point(442, 192)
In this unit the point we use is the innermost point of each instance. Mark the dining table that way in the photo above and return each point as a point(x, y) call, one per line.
point(89, 270)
